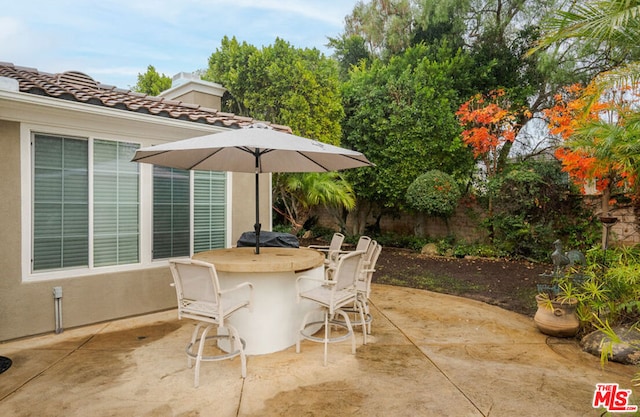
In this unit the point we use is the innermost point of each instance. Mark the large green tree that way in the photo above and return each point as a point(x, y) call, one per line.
point(294, 87)
point(349, 51)
point(386, 26)
point(401, 115)
point(496, 35)
point(281, 84)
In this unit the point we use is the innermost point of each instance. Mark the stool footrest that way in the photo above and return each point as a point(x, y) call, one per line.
point(322, 339)
point(220, 357)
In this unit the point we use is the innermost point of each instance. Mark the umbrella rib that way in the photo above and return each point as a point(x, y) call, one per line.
point(353, 158)
point(142, 158)
point(322, 166)
point(314, 162)
point(205, 158)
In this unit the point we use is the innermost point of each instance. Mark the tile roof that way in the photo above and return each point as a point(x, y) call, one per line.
point(79, 87)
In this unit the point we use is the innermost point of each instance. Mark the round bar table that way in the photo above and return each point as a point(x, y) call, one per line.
point(274, 322)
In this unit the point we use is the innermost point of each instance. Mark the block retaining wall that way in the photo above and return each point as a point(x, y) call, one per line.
point(464, 224)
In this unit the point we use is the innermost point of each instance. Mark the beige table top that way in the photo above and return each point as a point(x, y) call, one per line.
point(269, 260)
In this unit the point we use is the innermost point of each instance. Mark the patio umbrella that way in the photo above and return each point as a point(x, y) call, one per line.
point(256, 148)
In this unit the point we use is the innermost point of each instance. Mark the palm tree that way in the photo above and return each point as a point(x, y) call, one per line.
point(612, 25)
point(299, 193)
point(614, 22)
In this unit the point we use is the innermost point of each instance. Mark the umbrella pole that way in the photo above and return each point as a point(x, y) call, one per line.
point(257, 226)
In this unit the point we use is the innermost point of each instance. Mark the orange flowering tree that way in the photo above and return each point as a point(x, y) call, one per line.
point(490, 127)
point(598, 140)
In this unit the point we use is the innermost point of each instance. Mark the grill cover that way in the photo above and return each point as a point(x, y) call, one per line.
point(269, 240)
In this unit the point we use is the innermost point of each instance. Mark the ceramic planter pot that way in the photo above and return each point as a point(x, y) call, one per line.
point(555, 318)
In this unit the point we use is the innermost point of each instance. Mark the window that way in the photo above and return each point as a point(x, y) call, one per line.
point(116, 230)
point(170, 212)
point(60, 203)
point(209, 214)
point(61, 220)
point(88, 210)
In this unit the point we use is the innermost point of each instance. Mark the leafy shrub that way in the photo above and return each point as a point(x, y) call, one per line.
point(435, 193)
point(534, 204)
point(321, 232)
point(282, 228)
point(401, 241)
point(611, 293)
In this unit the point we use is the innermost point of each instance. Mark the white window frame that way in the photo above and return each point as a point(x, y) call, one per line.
point(27, 132)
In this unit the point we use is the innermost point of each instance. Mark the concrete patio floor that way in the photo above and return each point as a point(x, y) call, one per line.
point(429, 355)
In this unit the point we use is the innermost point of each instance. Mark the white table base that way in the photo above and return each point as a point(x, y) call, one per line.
point(274, 323)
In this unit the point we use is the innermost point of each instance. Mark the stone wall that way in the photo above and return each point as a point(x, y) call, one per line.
point(626, 230)
point(464, 224)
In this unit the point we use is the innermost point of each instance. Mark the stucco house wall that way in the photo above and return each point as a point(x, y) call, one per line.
point(101, 294)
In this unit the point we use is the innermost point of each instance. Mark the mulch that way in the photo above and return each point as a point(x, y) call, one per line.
point(506, 283)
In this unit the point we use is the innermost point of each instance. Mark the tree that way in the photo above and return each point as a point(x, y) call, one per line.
point(600, 140)
point(613, 25)
point(497, 35)
point(298, 193)
point(601, 147)
point(349, 51)
point(152, 83)
point(282, 84)
point(490, 126)
point(401, 115)
point(490, 123)
point(386, 26)
point(294, 87)
point(229, 66)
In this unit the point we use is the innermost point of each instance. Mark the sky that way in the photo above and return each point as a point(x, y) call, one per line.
point(115, 40)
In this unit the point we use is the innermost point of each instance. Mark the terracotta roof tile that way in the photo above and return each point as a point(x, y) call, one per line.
point(79, 87)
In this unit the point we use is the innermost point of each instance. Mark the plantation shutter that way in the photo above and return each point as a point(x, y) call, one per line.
point(209, 210)
point(116, 208)
point(60, 203)
point(170, 212)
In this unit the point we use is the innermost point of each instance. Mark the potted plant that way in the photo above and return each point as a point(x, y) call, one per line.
point(556, 314)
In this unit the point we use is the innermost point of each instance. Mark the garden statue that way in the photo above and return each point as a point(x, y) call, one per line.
point(562, 260)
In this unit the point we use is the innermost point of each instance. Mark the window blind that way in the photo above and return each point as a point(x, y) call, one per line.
point(60, 203)
point(170, 212)
point(116, 233)
point(209, 210)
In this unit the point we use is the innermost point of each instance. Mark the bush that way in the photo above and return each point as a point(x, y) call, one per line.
point(611, 293)
point(435, 193)
point(401, 241)
point(321, 232)
point(534, 205)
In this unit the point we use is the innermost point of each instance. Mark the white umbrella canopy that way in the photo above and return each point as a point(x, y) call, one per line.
point(256, 148)
point(238, 150)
